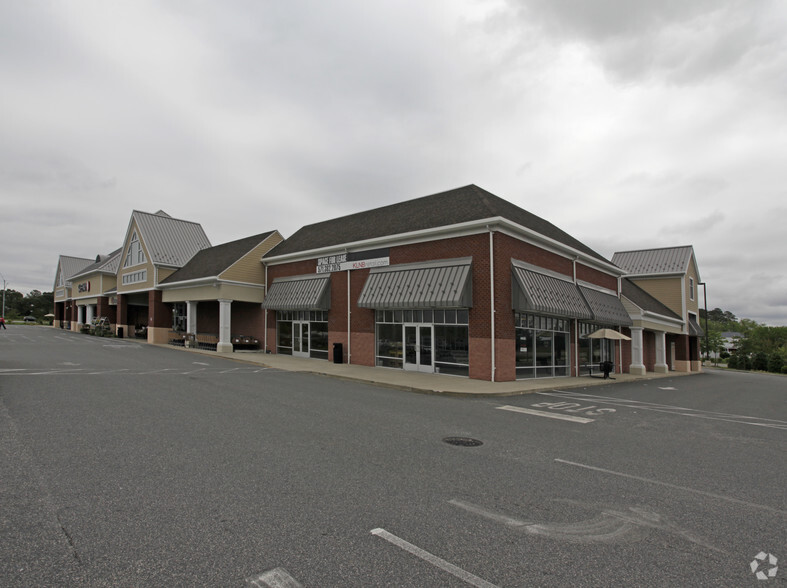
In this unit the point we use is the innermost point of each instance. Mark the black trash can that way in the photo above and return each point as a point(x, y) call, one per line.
point(337, 353)
point(120, 332)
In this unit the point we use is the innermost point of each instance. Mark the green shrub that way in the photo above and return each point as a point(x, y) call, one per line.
point(732, 362)
point(784, 369)
point(775, 363)
point(760, 361)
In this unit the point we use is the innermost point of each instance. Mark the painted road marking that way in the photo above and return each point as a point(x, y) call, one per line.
point(433, 559)
point(674, 486)
point(551, 415)
point(489, 514)
point(573, 407)
point(608, 526)
point(275, 578)
point(669, 409)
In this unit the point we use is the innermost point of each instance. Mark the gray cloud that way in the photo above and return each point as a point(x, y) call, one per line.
point(628, 125)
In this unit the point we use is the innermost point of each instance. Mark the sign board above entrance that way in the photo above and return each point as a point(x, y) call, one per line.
point(353, 261)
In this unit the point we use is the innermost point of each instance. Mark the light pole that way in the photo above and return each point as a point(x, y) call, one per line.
point(4, 285)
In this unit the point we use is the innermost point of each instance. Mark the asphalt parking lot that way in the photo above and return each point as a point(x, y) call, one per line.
point(128, 464)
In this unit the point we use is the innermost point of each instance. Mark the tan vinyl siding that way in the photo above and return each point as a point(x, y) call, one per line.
point(108, 282)
point(665, 290)
point(164, 273)
point(148, 266)
point(223, 291)
point(249, 268)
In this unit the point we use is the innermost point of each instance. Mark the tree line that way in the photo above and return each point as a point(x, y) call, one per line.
point(760, 347)
point(35, 304)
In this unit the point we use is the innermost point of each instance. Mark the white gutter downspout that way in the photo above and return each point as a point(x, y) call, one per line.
point(348, 317)
point(265, 314)
point(492, 295)
point(620, 329)
point(576, 327)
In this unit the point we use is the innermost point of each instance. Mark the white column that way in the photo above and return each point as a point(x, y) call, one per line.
point(637, 367)
point(191, 317)
point(661, 366)
point(225, 328)
point(89, 318)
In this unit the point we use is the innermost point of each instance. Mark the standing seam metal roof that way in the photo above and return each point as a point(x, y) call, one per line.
point(669, 260)
point(299, 293)
point(607, 309)
point(442, 286)
point(170, 241)
point(549, 295)
point(107, 264)
point(70, 266)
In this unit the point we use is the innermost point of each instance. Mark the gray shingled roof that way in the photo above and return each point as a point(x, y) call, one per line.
point(212, 261)
point(170, 241)
point(469, 203)
point(70, 266)
point(644, 300)
point(105, 264)
point(669, 260)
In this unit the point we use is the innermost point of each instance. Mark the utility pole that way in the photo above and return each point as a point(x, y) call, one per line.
point(705, 294)
point(4, 285)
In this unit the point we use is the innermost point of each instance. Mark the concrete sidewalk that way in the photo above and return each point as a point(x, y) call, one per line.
point(419, 382)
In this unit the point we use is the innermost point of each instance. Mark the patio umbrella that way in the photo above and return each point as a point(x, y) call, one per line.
point(608, 334)
point(50, 315)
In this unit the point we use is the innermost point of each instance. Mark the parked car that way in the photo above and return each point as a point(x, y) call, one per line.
point(29, 319)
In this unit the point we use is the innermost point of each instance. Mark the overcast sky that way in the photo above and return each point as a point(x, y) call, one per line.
point(630, 125)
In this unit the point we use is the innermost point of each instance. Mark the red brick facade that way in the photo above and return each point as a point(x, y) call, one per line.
point(361, 349)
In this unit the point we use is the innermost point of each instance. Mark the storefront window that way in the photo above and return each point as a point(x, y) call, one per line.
point(319, 340)
point(447, 351)
point(302, 331)
point(452, 350)
point(389, 345)
point(284, 336)
point(593, 351)
point(542, 346)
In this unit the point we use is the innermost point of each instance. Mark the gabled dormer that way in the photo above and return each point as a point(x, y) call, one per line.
point(67, 267)
point(670, 275)
point(97, 278)
point(155, 246)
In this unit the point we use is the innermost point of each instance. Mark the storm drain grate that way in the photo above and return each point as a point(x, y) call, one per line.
point(463, 441)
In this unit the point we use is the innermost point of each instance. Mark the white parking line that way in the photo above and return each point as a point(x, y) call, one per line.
point(670, 409)
point(433, 559)
point(551, 415)
point(674, 486)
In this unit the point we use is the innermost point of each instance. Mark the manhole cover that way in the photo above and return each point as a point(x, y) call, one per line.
point(463, 441)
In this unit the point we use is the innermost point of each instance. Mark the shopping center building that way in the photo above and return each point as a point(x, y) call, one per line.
point(461, 282)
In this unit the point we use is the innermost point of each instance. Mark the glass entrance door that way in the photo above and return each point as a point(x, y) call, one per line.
point(300, 339)
point(418, 348)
